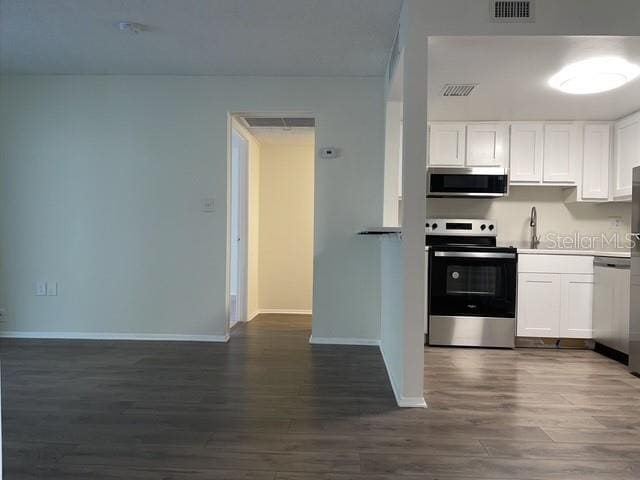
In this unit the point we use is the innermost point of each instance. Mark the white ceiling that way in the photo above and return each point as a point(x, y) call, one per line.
point(207, 37)
point(512, 73)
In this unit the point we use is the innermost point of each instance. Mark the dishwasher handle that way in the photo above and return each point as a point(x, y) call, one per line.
point(612, 262)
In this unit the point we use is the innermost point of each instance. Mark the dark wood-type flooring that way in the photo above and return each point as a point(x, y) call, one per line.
point(268, 405)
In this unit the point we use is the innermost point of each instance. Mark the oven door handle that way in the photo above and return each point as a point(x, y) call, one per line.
point(474, 254)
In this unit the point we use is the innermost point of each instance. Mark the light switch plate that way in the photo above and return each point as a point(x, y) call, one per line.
point(52, 289)
point(208, 205)
point(41, 289)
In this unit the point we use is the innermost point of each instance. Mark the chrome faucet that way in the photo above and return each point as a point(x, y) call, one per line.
point(535, 240)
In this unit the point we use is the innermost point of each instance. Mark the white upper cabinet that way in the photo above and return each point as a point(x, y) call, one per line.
point(447, 144)
point(487, 145)
point(595, 163)
point(627, 154)
point(562, 148)
point(526, 152)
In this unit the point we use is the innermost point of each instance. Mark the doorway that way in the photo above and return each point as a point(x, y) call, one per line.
point(271, 212)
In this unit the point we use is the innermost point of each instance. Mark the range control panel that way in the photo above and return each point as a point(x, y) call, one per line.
point(466, 227)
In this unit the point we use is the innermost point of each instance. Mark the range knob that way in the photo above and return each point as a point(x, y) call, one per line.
point(491, 227)
point(434, 226)
point(483, 226)
point(426, 225)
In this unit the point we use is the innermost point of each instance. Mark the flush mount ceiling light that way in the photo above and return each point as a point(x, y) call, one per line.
point(131, 27)
point(594, 75)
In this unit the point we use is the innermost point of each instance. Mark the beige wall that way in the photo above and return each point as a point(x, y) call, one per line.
point(285, 257)
point(554, 216)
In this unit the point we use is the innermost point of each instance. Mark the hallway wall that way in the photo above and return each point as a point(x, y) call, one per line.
point(286, 227)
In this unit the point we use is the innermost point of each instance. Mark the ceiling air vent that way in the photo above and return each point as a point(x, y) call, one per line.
point(458, 89)
point(512, 11)
point(279, 122)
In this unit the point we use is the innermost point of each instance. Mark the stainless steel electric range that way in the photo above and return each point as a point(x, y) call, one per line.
point(471, 285)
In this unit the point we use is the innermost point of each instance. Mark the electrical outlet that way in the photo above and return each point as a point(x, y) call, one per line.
point(615, 222)
point(52, 289)
point(41, 289)
point(3, 315)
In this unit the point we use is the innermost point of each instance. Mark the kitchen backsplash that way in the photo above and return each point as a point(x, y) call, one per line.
point(554, 216)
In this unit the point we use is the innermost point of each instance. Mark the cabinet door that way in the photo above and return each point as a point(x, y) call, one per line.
point(595, 163)
point(561, 152)
point(487, 145)
point(539, 305)
point(446, 144)
point(576, 307)
point(526, 153)
point(627, 154)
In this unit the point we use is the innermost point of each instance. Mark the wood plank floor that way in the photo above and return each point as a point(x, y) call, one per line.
point(270, 406)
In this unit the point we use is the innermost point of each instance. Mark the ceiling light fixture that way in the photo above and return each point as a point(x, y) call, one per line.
point(594, 75)
point(132, 27)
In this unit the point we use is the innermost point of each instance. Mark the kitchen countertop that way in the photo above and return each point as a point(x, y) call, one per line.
point(523, 248)
point(546, 249)
point(567, 251)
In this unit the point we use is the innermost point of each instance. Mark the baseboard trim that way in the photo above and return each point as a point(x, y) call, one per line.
point(157, 337)
point(403, 402)
point(284, 311)
point(343, 341)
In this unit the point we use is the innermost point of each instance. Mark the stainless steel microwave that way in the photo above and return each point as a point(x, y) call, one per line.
point(477, 182)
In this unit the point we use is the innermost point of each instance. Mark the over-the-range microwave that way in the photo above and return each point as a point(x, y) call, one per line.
point(477, 182)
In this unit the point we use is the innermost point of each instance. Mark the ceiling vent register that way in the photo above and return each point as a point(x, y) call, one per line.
point(512, 11)
point(458, 89)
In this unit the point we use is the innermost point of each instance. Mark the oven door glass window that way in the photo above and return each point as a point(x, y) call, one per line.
point(472, 286)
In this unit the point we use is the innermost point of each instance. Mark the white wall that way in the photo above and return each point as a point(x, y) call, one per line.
point(554, 216)
point(286, 227)
point(101, 187)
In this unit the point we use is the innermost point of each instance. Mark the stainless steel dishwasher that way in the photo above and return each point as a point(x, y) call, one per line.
point(611, 306)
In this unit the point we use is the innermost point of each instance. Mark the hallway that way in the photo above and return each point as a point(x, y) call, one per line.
point(268, 405)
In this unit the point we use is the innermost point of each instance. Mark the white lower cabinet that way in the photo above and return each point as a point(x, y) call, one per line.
point(576, 306)
point(538, 305)
point(555, 296)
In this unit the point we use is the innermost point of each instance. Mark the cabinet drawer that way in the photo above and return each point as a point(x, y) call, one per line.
point(540, 263)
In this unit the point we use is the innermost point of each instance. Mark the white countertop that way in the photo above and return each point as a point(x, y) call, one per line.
point(546, 250)
point(566, 251)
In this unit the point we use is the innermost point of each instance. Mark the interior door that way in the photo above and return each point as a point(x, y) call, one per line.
point(238, 228)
